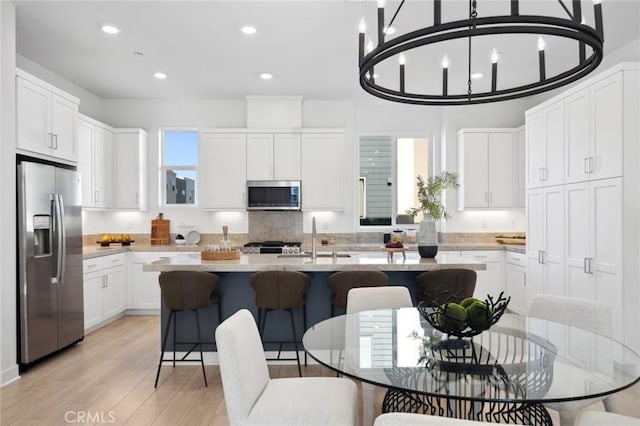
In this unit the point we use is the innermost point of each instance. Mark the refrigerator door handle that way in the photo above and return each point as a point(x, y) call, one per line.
point(62, 243)
point(58, 215)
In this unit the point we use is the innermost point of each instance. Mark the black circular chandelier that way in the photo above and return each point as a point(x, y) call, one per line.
point(574, 28)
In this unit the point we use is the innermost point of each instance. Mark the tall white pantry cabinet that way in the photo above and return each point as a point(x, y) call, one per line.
point(583, 195)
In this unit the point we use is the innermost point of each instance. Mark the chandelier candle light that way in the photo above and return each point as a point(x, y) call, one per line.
point(574, 28)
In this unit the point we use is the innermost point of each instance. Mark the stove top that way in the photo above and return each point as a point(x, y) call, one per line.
point(277, 247)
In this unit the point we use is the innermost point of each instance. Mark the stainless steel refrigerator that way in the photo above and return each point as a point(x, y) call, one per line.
point(50, 290)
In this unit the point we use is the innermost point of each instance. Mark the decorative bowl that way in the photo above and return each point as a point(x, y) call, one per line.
point(447, 319)
point(428, 252)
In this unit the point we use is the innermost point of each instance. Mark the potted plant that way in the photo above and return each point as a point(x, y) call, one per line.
point(432, 209)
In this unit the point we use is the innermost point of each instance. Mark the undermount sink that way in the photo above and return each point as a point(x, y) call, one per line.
point(318, 255)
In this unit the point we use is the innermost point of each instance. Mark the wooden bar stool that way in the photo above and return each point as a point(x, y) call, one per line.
point(187, 291)
point(281, 290)
point(445, 285)
point(343, 281)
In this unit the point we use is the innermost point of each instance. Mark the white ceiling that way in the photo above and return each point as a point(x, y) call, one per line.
point(309, 46)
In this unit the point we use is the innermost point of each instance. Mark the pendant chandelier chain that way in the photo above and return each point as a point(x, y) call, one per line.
point(473, 14)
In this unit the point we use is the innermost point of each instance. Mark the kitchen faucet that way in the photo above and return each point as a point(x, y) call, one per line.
point(314, 253)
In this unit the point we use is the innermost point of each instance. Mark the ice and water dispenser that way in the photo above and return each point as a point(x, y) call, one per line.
point(42, 235)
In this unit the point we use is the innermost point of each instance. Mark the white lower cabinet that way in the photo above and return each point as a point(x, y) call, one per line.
point(104, 284)
point(516, 281)
point(490, 281)
point(144, 290)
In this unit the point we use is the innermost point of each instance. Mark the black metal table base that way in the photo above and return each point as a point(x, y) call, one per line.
point(493, 412)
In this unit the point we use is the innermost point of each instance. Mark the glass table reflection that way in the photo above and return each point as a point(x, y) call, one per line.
point(501, 375)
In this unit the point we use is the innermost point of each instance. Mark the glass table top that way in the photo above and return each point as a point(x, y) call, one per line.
point(518, 359)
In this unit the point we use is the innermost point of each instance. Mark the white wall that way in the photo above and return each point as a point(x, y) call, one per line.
point(8, 339)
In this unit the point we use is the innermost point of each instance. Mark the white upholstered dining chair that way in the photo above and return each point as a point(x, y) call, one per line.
point(407, 419)
point(368, 298)
point(253, 398)
point(602, 418)
point(585, 314)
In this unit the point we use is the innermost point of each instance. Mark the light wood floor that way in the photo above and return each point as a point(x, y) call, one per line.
point(110, 377)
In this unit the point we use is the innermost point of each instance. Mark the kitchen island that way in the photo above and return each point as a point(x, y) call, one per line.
point(236, 292)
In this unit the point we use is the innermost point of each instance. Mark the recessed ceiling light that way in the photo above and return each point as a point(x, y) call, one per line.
point(138, 54)
point(266, 76)
point(111, 29)
point(476, 75)
point(160, 75)
point(248, 29)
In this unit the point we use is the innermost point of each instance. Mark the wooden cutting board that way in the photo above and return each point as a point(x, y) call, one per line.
point(160, 232)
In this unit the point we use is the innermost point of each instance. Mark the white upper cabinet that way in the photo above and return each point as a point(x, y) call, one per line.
point(322, 171)
point(521, 167)
point(95, 163)
point(260, 156)
point(46, 119)
point(487, 164)
point(607, 121)
point(286, 156)
point(130, 155)
point(545, 146)
point(222, 174)
point(594, 138)
point(273, 156)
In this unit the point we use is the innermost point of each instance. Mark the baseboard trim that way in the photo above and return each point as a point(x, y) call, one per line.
point(142, 312)
point(9, 375)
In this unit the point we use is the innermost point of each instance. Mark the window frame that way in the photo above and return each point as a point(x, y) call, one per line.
point(163, 167)
point(431, 149)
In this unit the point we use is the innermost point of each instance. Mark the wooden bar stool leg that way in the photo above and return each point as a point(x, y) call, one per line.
point(204, 374)
point(164, 345)
point(295, 341)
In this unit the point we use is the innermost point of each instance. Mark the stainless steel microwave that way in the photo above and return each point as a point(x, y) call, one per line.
point(273, 195)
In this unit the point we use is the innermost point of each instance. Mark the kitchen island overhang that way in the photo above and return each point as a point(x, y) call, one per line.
point(236, 292)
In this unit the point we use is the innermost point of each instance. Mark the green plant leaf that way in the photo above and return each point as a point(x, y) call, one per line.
point(429, 194)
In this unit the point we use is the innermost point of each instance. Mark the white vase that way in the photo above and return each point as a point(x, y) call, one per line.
point(428, 238)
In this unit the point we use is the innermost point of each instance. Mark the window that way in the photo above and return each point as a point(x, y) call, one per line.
point(179, 166)
point(387, 181)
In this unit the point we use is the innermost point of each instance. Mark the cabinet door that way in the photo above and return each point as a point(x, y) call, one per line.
point(130, 165)
point(222, 171)
point(516, 287)
point(577, 233)
point(607, 111)
point(521, 168)
point(475, 169)
point(535, 241)
point(578, 137)
point(553, 173)
point(501, 170)
point(113, 292)
point(553, 256)
point(64, 115)
point(260, 156)
point(146, 290)
point(489, 281)
point(93, 286)
point(102, 167)
point(85, 161)
point(535, 148)
point(32, 117)
point(286, 157)
point(322, 171)
point(606, 241)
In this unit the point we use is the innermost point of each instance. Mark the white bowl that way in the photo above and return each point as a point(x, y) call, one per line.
point(181, 242)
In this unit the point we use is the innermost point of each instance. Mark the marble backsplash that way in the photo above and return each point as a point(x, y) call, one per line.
point(278, 229)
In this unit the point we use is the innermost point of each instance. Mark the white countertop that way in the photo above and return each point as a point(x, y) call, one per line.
point(357, 261)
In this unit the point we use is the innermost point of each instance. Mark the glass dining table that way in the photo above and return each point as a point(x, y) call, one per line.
point(503, 375)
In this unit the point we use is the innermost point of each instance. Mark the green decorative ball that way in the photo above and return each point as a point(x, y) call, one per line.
point(478, 315)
